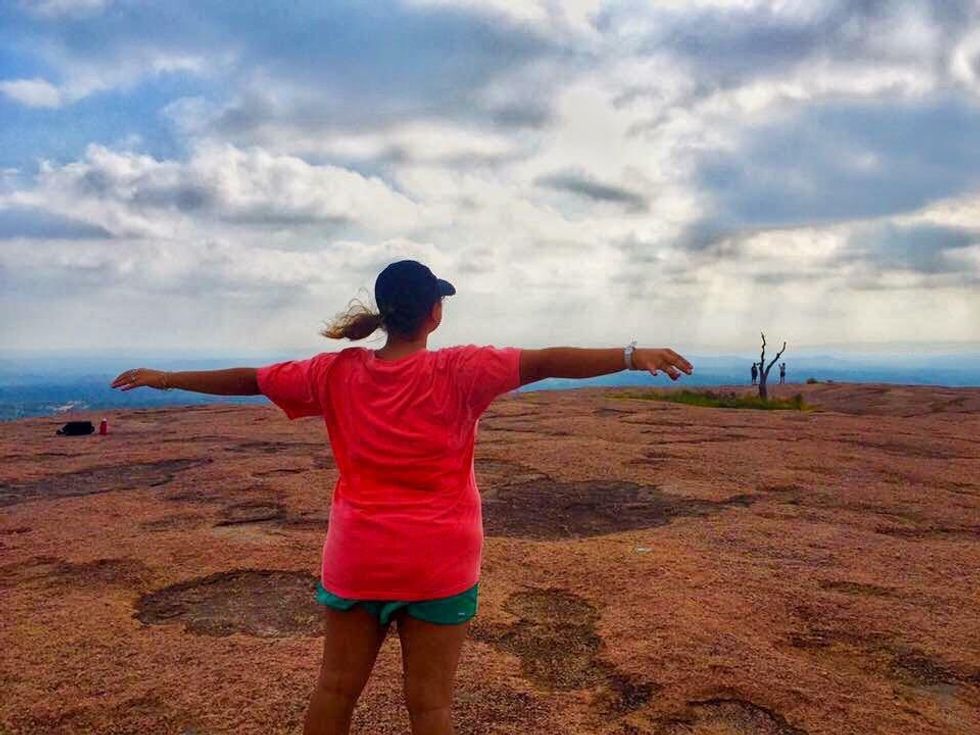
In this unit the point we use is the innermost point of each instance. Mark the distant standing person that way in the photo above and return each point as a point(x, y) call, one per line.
point(755, 373)
point(782, 372)
point(405, 537)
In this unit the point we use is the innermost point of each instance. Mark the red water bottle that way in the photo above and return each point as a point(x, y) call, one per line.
point(104, 427)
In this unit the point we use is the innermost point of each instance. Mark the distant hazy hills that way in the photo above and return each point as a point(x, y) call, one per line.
point(53, 384)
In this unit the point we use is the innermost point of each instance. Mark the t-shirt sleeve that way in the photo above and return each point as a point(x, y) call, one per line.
point(298, 387)
point(483, 373)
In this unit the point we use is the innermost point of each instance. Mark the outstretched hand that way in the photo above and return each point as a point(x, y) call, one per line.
point(662, 359)
point(140, 377)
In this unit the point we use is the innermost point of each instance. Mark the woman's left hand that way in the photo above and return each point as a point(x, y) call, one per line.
point(140, 377)
point(664, 360)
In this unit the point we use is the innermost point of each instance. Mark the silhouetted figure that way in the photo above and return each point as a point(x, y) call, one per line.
point(782, 372)
point(755, 373)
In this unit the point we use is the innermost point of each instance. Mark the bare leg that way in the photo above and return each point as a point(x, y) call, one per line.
point(430, 656)
point(351, 642)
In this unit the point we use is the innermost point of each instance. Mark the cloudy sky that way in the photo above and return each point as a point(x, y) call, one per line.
point(223, 176)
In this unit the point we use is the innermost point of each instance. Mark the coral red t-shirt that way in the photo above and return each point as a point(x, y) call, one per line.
point(405, 521)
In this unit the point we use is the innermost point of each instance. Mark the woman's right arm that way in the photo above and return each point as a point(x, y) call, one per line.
point(231, 382)
point(577, 362)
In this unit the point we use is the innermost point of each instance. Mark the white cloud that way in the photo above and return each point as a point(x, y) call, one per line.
point(906, 31)
point(58, 8)
point(418, 141)
point(964, 64)
point(132, 195)
point(84, 78)
point(962, 212)
point(547, 16)
point(32, 92)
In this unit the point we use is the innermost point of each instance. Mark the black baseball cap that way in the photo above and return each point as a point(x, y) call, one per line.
point(410, 288)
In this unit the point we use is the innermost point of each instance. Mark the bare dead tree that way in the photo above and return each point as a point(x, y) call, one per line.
point(764, 369)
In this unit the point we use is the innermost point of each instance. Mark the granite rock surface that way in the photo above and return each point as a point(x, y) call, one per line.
point(649, 568)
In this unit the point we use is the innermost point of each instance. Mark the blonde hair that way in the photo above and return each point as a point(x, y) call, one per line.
point(358, 322)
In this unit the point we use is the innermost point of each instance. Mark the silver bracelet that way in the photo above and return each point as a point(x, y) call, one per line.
point(628, 355)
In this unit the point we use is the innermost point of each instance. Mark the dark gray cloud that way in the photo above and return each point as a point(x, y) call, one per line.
point(365, 64)
point(708, 237)
point(922, 248)
point(185, 198)
point(965, 281)
point(200, 200)
point(726, 48)
point(586, 186)
point(738, 43)
point(30, 222)
point(845, 161)
point(783, 277)
point(877, 249)
point(517, 114)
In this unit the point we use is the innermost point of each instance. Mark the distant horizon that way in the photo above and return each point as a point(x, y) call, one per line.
point(41, 385)
point(857, 349)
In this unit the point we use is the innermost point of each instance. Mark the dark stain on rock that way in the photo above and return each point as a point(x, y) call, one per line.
point(173, 522)
point(551, 509)
point(931, 532)
point(559, 649)
point(625, 694)
point(906, 666)
point(284, 471)
point(857, 588)
point(324, 462)
point(914, 667)
point(257, 602)
point(720, 439)
point(728, 715)
point(906, 449)
point(656, 456)
point(132, 476)
point(251, 512)
point(604, 411)
point(306, 521)
point(121, 572)
point(274, 447)
point(473, 708)
point(144, 714)
point(492, 474)
point(790, 489)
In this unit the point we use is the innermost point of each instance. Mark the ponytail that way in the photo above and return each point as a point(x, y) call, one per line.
point(356, 323)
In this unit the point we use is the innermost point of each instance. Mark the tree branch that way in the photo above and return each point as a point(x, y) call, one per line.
point(778, 354)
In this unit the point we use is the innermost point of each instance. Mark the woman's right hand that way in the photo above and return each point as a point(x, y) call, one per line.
point(663, 360)
point(140, 377)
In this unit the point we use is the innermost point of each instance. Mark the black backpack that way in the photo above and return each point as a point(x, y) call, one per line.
point(76, 428)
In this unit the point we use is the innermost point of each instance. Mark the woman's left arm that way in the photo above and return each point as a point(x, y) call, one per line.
point(230, 382)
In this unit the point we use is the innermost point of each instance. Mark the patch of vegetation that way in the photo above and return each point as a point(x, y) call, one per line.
point(812, 381)
point(710, 399)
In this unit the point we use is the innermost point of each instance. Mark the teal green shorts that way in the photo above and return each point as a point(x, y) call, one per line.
point(442, 611)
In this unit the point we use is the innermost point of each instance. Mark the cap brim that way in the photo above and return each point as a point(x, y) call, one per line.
point(446, 288)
